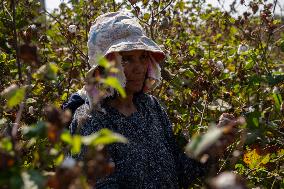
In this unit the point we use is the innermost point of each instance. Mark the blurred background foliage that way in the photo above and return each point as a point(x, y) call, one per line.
point(216, 62)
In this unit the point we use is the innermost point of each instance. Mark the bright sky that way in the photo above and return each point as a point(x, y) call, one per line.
point(51, 4)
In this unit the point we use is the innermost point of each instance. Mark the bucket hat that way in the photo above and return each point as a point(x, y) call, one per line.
point(110, 34)
point(119, 31)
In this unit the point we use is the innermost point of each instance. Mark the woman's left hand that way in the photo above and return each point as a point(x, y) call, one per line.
point(229, 124)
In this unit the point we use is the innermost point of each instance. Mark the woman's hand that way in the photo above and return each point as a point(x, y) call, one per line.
point(229, 125)
point(214, 142)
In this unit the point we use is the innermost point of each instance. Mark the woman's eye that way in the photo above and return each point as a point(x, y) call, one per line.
point(144, 57)
point(126, 59)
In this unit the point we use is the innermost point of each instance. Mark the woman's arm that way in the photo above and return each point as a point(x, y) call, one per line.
point(85, 124)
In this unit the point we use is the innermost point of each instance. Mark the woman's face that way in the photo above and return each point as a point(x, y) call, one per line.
point(135, 64)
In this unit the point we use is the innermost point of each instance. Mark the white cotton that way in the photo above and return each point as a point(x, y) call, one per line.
point(226, 71)
point(72, 28)
point(10, 89)
point(28, 182)
point(227, 180)
point(31, 110)
point(68, 163)
point(243, 48)
point(276, 90)
point(33, 26)
point(251, 109)
point(220, 65)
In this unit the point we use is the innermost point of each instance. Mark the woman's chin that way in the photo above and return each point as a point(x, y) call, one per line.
point(134, 89)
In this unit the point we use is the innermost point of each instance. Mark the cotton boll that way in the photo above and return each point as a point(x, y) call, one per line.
point(232, 74)
point(219, 46)
point(181, 70)
point(226, 71)
point(170, 92)
point(220, 65)
point(31, 110)
point(8, 91)
point(33, 26)
point(165, 23)
point(276, 90)
point(267, 90)
point(227, 180)
point(251, 109)
point(242, 48)
point(72, 28)
point(68, 163)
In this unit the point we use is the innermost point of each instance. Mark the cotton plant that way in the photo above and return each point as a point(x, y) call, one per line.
point(72, 28)
point(243, 48)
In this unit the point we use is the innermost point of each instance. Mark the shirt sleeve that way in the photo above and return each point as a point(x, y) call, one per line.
point(187, 169)
point(84, 124)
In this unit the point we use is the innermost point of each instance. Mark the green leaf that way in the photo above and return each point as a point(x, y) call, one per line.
point(146, 17)
point(274, 80)
point(232, 20)
point(200, 144)
point(113, 82)
point(16, 181)
point(59, 159)
point(14, 95)
point(38, 130)
point(249, 64)
point(253, 119)
point(30, 101)
point(278, 100)
point(282, 45)
point(66, 65)
point(2, 121)
point(37, 177)
point(76, 144)
point(6, 144)
point(66, 137)
point(192, 52)
point(265, 159)
point(64, 96)
point(48, 71)
point(102, 61)
point(104, 136)
point(4, 56)
point(240, 168)
point(145, 2)
point(17, 97)
point(52, 71)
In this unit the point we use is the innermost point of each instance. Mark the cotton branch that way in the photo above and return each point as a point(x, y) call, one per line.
point(16, 40)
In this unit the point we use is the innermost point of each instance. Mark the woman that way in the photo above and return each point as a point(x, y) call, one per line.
point(151, 158)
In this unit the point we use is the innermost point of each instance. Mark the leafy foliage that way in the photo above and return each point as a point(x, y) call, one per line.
point(216, 62)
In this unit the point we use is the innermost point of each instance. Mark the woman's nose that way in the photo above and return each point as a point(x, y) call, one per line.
point(140, 67)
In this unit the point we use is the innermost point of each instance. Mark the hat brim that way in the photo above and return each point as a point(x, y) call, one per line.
point(130, 44)
point(139, 43)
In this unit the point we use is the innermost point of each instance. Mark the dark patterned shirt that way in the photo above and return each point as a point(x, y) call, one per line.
point(151, 158)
